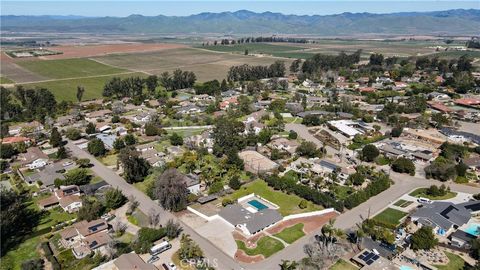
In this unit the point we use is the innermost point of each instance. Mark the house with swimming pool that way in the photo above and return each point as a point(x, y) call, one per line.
point(251, 214)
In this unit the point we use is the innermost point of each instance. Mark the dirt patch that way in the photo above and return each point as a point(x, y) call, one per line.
point(79, 51)
point(241, 256)
point(310, 223)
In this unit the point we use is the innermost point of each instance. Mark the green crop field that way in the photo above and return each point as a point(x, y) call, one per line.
point(67, 89)
point(207, 65)
point(69, 68)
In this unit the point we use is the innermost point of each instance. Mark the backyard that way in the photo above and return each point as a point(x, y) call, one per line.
point(343, 265)
point(266, 246)
point(455, 262)
point(288, 203)
point(390, 217)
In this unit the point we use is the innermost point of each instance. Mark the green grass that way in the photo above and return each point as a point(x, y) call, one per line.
point(294, 55)
point(291, 234)
point(342, 192)
point(288, 203)
point(68, 261)
point(266, 246)
point(461, 180)
point(263, 48)
point(146, 184)
point(138, 218)
point(456, 262)
point(402, 203)
point(382, 160)
point(390, 216)
point(109, 160)
point(343, 265)
point(5, 80)
point(187, 132)
point(421, 193)
point(28, 249)
point(69, 68)
point(67, 89)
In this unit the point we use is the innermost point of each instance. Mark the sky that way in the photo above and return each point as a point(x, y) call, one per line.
point(184, 8)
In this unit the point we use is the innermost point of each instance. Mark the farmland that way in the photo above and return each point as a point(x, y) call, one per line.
point(263, 48)
point(66, 89)
point(207, 65)
point(69, 68)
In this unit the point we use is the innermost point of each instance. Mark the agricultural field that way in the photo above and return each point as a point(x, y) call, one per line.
point(257, 48)
point(207, 65)
point(67, 89)
point(69, 68)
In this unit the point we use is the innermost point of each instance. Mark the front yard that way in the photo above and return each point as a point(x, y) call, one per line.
point(266, 246)
point(288, 203)
point(291, 234)
point(421, 192)
point(390, 217)
point(343, 265)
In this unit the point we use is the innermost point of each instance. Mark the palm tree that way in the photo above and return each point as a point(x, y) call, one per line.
point(288, 265)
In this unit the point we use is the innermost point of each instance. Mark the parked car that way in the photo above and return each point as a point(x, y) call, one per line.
point(153, 259)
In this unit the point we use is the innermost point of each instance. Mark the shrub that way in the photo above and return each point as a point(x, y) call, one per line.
point(96, 147)
point(227, 201)
point(303, 204)
point(73, 134)
point(370, 152)
point(403, 165)
point(176, 139)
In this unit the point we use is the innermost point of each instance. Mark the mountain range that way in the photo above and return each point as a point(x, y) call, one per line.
point(447, 23)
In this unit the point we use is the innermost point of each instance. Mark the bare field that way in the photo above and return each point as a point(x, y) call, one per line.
point(206, 64)
point(76, 51)
point(19, 74)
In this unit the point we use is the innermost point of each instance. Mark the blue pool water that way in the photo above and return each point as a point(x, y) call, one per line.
point(473, 229)
point(260, 206)
point(404, 267)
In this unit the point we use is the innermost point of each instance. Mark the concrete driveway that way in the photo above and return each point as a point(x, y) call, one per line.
point(219, 233)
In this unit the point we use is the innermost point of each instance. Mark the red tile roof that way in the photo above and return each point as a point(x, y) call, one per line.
point(9, 140)
point(468, 101)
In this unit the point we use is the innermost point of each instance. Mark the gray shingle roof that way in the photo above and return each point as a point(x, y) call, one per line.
point(237, 214)
point(442, 214)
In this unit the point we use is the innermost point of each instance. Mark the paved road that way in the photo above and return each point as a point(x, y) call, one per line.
point(223, 261)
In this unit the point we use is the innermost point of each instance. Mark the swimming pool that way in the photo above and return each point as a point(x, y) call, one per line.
point(473, 229)
point(405, 267)
point(260, 206)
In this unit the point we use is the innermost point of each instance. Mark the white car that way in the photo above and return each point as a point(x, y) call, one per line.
point(172, 266)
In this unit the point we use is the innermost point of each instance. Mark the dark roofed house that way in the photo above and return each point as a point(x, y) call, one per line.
point(473, 162)
point(249, 222)
point(461, 239)
point(132, 261)
point(445, 216)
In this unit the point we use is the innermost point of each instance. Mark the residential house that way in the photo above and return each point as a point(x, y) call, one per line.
point(38, 163)
point(438, 97)
point(86, 237)
point(68, 197)
point(284, 144)
point(400, 85)
point(128, 261)
point(142, 117)
point(462, 239)
point(189, 109)
point(227, 103)
point(473, 163)
point(107, 139)
point(153, 157)
point(349, 128)
point(249, 222)
point(145, 147)
point(47, 175)
point(27, 128)
point(100, 114)
point(19, 139)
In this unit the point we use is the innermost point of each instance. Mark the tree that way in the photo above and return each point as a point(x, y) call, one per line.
point(55, 137)
point(173, 229)
point(118, 144)
point(423, 238)
point(61, 153)
point(135, 168)
point(77, 177)
point(90, 210)
point(83, 162)
point(73, 134)
point(189, 250)
point(153, 218)
point(90, 129)
point(376, 59)
point(146, 237)
point(171, 190)
point(356, 179)
point(403, 165)
point(96, 147)
point(151, 82)
point(151, 129)
point(234, 182)
point(17, 220)
point(176, 139)
point(396, 132)
point(114, 199)
point(309, 149)
point(7, 150)
point(129, 139)
point(288, 265)
point(80, 91)
point(292, 135)
point(295, 65)
point(33, 264)
point(264, 136)
point(370, 152)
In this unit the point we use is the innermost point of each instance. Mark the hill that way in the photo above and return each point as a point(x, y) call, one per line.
point(449, 22)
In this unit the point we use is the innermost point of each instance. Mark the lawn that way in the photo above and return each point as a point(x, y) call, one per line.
point(67, 89)
point(390, 216)
point(421, 193)
point(69, 68)
point(456, 262)
point(342, 192)
point(288, 203)
point(402, 203)
point(291, 234)
point(28, 249)
point(138, 218)
point(343, 265)
point(146, 184)
point(109, 160)
point(186, 132)
point(5, 80)
point(266, 246)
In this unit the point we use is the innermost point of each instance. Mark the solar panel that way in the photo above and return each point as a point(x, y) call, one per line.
point(369, 256)
point(370, 262)
point(361, 257)
point(365, 253)
point(375, 257)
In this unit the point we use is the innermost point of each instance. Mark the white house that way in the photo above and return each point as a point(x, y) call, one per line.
point(38, 163)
